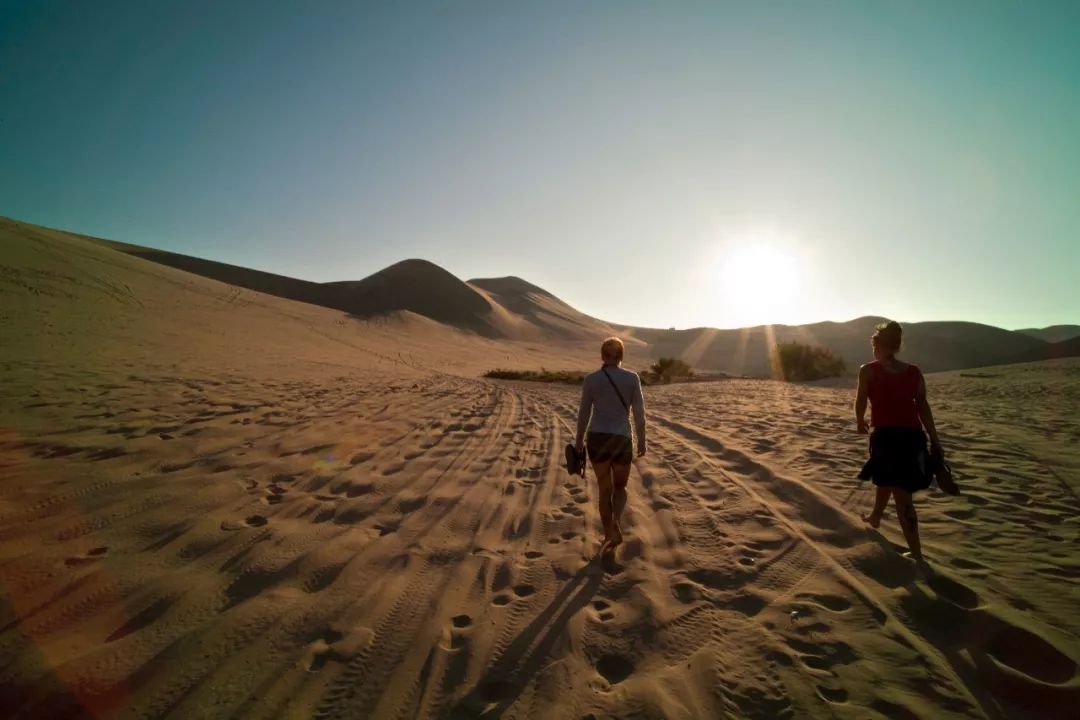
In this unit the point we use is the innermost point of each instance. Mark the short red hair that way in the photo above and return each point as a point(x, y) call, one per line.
point(611, 351)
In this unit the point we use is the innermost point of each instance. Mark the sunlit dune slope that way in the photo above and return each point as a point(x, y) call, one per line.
point(538, 308)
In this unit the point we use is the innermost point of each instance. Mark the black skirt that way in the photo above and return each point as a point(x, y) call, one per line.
point(898, 458)
point(605, 447)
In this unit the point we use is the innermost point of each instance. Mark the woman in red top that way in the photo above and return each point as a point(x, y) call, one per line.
point(899, 463)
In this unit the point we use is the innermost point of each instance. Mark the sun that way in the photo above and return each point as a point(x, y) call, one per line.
point(760, 277)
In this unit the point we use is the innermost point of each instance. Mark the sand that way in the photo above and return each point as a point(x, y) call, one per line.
point(217, 503)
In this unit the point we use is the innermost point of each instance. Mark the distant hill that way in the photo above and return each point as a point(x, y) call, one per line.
point(931, 345)
point(1054, 333)
point(512, 308)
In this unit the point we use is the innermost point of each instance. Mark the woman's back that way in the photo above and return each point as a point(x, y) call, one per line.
point(892, 394)
point(609, 414)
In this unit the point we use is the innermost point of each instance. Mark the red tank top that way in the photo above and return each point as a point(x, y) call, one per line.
point(892, 397)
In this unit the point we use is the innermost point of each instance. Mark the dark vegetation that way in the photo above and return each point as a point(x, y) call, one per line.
point(805, 362)
point(665, 370)
point(570, 377)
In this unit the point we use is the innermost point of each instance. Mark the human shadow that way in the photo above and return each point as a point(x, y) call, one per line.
point(975, 642)
point(524, 657)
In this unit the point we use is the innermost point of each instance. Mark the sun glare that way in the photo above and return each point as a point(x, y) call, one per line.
point(760, 276)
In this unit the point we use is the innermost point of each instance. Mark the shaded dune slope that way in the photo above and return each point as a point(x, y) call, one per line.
point(1053, 333)
point(418, 286)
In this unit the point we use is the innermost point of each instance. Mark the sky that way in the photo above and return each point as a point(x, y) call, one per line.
point(674, 164)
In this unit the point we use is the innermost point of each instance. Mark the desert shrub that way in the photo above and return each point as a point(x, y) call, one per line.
point(570, 377)
point(665, 370)
point(805, 362)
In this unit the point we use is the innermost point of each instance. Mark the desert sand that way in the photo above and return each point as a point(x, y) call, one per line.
point(219, 503)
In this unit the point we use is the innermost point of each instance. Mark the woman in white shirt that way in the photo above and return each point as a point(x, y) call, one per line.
point(607, 398)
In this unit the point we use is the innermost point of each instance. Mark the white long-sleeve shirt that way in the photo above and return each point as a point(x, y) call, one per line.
point(602, 411)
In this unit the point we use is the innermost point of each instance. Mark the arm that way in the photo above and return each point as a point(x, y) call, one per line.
point(925, 415)
point(583, 416)
point(860, 399)
point(638, 405)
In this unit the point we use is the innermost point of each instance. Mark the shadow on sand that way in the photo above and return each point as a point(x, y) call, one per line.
point(507, 678)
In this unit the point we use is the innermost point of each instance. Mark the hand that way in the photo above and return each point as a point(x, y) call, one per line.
point(863, 428)
point(580, 448)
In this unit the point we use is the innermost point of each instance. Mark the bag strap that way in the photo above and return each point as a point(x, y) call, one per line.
point(625, 406)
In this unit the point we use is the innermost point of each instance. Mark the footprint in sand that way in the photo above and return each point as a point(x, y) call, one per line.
point(835, 603)
point(458, 633)
point(967, 564)
point(361, 457)
point(524, 590)
point(533, 554)
point(614, 668)
point(90, 556)
point(837, 695)
point(388, 526)
point(323, 650)
point(686, 592)
point(603, 610)
point(501, 599)
point(953, 591)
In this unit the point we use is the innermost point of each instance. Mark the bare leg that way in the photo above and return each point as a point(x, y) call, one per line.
point(620, 475)
point(881, 499)
point(909, 522)
point(603, 481)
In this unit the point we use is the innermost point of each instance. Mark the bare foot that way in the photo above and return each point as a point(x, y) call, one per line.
point(616, 536)
point(874, 522)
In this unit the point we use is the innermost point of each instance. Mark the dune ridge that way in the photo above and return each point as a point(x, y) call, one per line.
point(512, 308)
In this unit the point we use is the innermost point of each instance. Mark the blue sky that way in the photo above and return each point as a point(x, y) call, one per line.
point(663, 164)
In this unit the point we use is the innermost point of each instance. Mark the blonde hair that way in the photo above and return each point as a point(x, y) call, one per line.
point(888, 336)
point(612, 349)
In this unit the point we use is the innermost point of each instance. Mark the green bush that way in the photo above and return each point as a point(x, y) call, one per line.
point(570, 377)
point(665, 370)
point(804, 362)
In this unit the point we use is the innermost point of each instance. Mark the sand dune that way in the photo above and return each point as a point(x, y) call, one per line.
point(934, 346)
point(1054, 333)
point(540, 309)
point(512, 308)
point(507, 308)
point(219, 503)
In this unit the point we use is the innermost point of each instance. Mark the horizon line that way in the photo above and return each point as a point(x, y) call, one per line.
point(518, 277)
